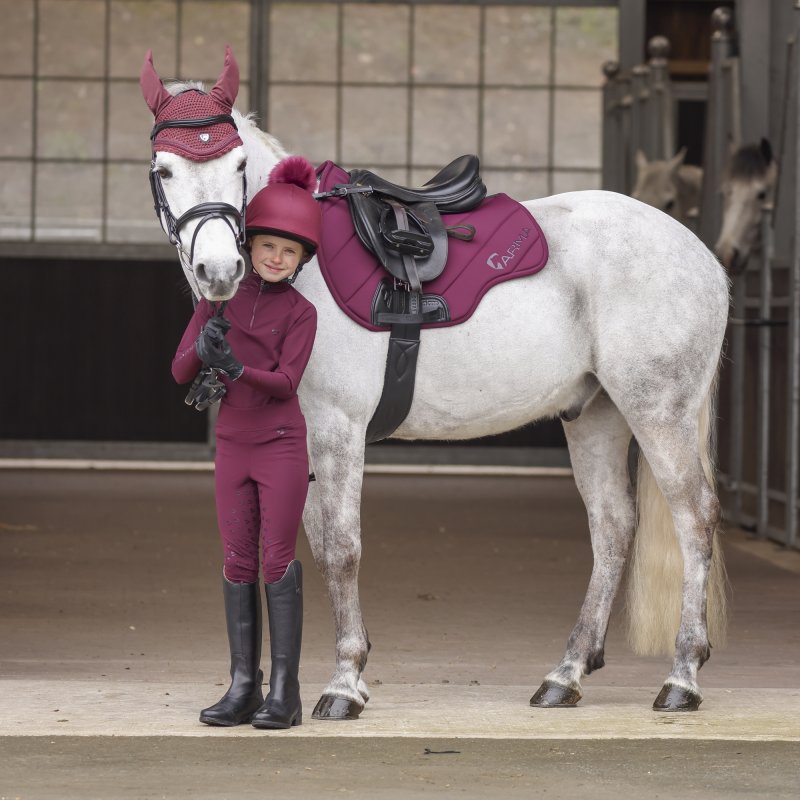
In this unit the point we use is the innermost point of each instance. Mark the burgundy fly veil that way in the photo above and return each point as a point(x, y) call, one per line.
point(197, 142)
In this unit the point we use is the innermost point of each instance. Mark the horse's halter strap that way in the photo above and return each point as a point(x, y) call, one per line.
point(205, 211)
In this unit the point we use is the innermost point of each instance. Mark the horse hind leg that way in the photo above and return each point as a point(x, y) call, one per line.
point(598, 445)
point(676, 472)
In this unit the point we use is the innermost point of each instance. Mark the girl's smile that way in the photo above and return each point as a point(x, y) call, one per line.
point(275, 258)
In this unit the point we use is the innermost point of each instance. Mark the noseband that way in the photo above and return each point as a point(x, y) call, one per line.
point(205, 211)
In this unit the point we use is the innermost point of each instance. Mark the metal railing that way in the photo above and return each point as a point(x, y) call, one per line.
point(760, 431)
point(637, 115)
point(755, 433)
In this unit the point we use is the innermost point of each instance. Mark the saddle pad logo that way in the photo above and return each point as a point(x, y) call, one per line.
point(204, 137)
point(498, 261)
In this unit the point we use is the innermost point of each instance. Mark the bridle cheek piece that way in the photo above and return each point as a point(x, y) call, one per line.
point(205, 211)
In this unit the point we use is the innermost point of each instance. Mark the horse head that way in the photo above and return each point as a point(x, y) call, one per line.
point(197, 175)
point(666, 185)
point(748, 184)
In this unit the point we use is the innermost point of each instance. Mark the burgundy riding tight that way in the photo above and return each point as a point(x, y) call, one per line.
point(261, 485)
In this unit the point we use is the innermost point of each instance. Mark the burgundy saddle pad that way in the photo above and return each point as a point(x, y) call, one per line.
point(508, 243)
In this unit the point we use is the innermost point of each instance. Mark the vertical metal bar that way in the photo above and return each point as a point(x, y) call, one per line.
point(412, 21)
point(639, 109)
point(793, 411)
point(717, 126)
point(106, 125)
point(259, 60)
point(481, 77)
point(737, 395)
point(661, 100)
point(764, 365)
point(632, 15)
point(627, 156)
point(339, 133)
point(35, 118)
point(551, 91)
point(612, 134)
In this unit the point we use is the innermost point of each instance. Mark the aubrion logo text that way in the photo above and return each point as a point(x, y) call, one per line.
point(498, 261)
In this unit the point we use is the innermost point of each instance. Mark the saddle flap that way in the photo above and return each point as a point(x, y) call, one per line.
point(381, 223)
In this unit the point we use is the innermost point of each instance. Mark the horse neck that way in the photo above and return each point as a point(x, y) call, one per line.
point(263, 153)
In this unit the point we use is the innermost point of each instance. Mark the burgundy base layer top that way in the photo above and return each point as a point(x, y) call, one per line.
point(272, 333)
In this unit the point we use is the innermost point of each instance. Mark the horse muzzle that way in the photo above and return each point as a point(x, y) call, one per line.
point(217, 285)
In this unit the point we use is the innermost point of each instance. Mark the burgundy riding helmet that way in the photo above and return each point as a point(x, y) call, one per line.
point(286, 206)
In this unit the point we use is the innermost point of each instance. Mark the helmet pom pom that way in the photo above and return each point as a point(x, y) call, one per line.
point(295, 170)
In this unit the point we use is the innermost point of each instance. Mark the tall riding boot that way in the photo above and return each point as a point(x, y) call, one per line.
point(282, 708)
point(243, 618)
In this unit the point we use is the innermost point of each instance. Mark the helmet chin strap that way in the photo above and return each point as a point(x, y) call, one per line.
point(293, 277)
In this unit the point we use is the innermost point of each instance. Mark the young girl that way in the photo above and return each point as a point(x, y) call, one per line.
point(262, 346)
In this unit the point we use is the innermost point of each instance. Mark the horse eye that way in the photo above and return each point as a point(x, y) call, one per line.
point(762, 195)
point(242, 165)
point(163, 172)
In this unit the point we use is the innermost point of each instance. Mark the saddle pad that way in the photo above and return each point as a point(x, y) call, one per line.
point(508, 244)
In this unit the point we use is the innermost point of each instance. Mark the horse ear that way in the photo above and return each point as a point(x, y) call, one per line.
point(677, 159)
point(155, 95)
point(227, 87)
point(766, 150)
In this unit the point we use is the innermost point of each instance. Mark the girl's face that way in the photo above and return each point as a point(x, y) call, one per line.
point(275, 258)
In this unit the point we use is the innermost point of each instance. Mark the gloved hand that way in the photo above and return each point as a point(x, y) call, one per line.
point(214, 351)
point(217, 327)
point(206, 389)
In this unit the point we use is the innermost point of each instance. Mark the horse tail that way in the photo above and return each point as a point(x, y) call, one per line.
point(655, 575)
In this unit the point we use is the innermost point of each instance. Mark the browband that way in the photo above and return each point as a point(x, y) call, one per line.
point(202, 122)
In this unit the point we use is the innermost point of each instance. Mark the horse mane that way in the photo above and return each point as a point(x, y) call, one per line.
point(748, 163)
point(247, 126)
point(176, 87)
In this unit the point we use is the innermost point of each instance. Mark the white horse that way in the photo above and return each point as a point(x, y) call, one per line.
point(620, 335)
point(670, 186)
point(748, 184)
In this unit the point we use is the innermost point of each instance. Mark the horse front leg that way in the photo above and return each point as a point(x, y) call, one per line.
point(598, 445)
point(332, 519)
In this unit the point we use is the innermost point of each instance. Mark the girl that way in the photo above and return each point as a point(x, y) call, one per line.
point(262, 346)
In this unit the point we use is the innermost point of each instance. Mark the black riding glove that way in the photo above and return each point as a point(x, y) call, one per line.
point(214, 351)
point(206, 389)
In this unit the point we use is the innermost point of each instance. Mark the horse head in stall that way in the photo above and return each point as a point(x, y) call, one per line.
point(748, 184)
point(670, 186)
point(197, 176)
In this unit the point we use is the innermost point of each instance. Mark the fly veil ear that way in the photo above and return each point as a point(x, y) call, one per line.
point(155, 95)
point(227, 86)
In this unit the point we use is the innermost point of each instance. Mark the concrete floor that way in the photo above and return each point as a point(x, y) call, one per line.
point(112, 637)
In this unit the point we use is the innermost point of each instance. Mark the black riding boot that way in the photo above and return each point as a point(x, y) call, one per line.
point(282, 708)
point(243, 617)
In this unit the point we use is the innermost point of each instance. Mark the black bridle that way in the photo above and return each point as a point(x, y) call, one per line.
point(205, 211)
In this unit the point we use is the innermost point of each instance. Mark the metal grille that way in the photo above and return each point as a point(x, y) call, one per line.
point(74, 160)
point(517, 82)
point(403, 88)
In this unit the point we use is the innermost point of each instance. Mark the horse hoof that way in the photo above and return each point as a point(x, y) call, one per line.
point(676, 698)
point(332, 707)
point(554, 695)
